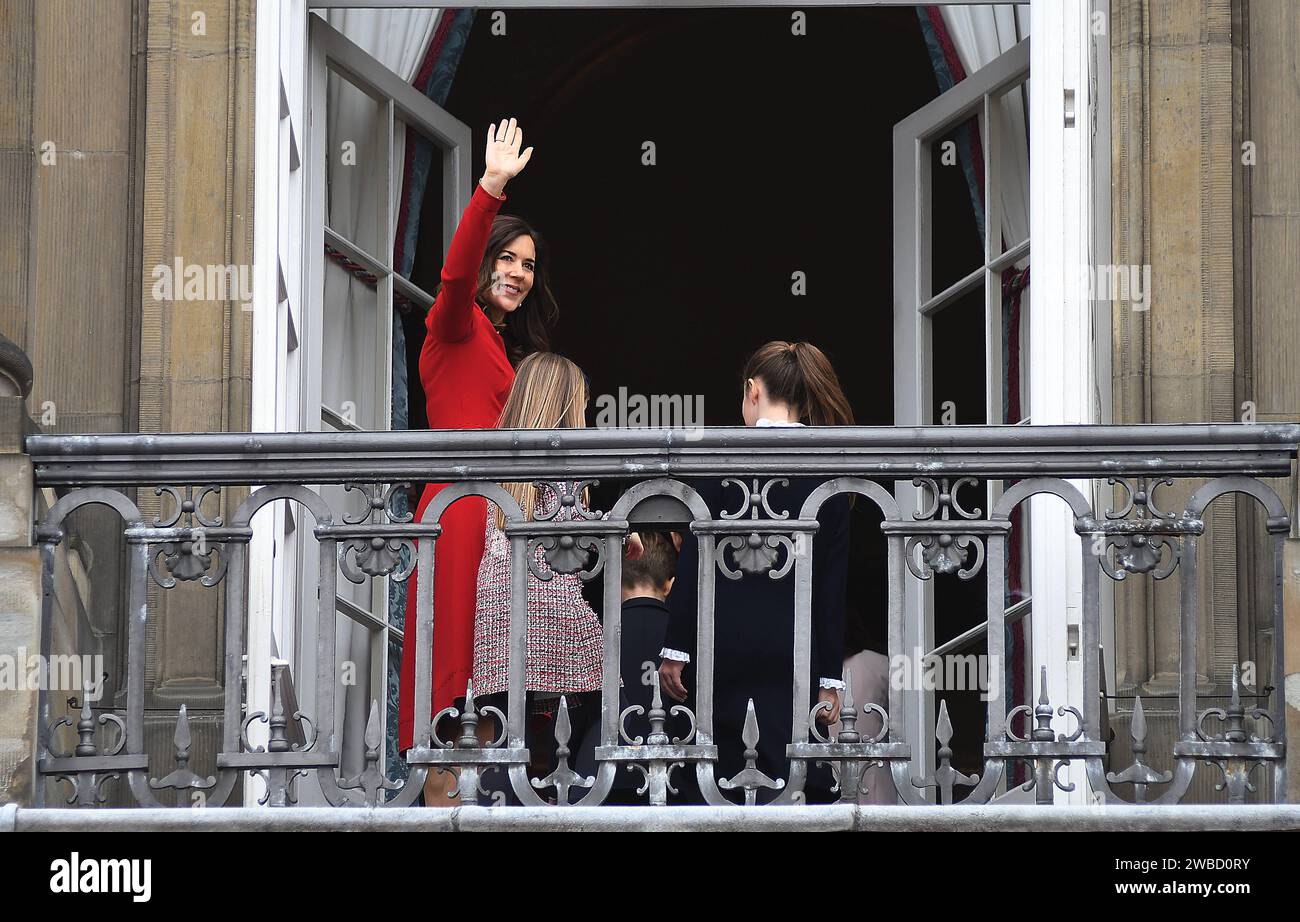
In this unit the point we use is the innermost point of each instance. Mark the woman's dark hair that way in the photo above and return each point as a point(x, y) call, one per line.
point(527, 328)
point(800, 376)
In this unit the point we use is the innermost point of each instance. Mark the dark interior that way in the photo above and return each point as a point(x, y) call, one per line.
point(774, 155)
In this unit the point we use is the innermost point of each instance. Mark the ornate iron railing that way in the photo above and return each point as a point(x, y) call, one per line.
point(877, 465)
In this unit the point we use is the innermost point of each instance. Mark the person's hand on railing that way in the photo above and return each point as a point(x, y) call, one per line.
point(504, 161)
point(828, 696)
point(670, 679)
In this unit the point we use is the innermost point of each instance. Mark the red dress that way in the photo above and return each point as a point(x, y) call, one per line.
point(466, 378)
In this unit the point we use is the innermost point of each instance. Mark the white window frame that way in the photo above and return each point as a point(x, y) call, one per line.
point(330, 52)
point(916, 305)
point(1064, 106)
point(277, 368)
point(297, 52)
point(1064, 345)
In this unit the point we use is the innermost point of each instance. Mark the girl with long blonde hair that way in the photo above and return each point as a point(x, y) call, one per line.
point(549, 392)
point(565, 645)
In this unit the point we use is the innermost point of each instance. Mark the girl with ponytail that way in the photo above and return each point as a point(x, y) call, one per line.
point(783, 384)
point(794, 381)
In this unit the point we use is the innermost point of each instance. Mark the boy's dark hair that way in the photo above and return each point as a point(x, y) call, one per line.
point(656, 566)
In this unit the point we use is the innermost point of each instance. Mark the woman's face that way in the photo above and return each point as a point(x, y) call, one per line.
point(512, 274)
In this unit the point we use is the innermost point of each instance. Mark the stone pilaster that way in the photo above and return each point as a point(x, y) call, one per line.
point(20, 586)
point(194, 368)
point(1175, 129)
point(1272, 382)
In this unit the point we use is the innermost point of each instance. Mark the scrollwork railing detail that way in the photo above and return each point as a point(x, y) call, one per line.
point(946, 548)
point(276, 742)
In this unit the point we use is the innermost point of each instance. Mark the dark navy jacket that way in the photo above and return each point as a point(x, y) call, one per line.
point(754, 629)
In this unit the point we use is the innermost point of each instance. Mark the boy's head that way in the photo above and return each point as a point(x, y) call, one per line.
point(652, 574)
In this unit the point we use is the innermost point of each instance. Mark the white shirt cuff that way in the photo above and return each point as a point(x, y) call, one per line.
point(680, 657)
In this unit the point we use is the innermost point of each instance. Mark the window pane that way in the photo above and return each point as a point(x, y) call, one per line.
point(1015, 297)
point(350, 376)
point(418, 254)
point(420, 245)
point(353, 173)
point(957, 356)
point(1011, 120)
point(956, 204)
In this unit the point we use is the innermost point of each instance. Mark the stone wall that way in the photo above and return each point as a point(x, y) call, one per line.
point(126, 144)
point(1271, 373)
point(20, 604)
point(195, 356)
point(1204, 191)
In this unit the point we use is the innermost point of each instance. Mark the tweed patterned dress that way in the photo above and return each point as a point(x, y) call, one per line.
point(565, 643)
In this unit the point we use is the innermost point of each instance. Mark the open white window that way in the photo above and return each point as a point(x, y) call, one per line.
point(361, 114)
point(339, 167)
point(1062, 377)
point(971, 141)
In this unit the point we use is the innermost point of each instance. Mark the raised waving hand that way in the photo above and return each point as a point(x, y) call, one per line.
point(504, 159)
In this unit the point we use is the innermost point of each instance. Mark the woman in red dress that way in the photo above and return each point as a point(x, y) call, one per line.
point(493, 307)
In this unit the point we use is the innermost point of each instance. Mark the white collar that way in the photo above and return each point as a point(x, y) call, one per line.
point(763, 423)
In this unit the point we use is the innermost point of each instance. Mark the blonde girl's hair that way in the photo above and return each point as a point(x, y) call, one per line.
point(549, 392)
